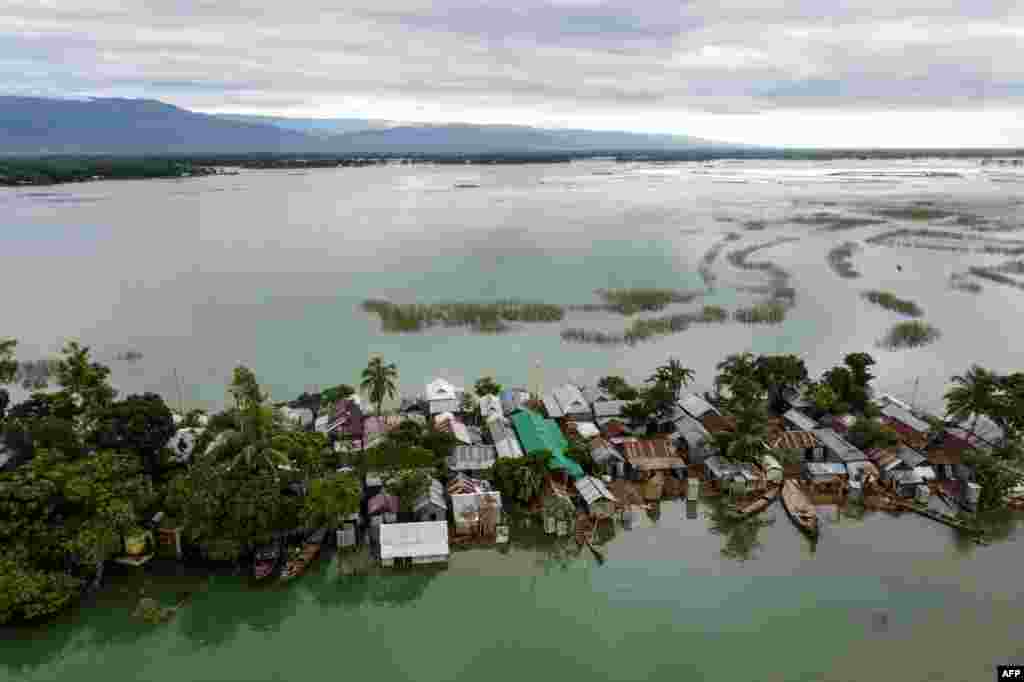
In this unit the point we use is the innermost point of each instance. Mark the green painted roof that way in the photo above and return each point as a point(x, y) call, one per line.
point(537, 433)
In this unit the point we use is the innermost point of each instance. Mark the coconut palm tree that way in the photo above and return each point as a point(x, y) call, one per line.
point(252, 443)
point(746, 442)
point(672, 374)
point(379, 381)
point(737, 369)
point(974, 394)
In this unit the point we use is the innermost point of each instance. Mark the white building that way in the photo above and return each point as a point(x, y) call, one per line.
point(443, 396)
point(425, 542)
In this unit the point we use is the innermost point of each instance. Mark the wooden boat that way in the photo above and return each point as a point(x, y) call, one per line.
point(300, 560)
point(799, 508)
point(266, 560)
point(761, 503)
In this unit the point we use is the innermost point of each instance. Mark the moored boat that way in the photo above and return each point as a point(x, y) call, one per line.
point(266, 560)
point(761, 503)
point(303, 557)
point(799, 508)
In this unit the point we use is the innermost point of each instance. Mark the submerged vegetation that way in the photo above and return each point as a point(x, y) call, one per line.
point(916, 212)
point(484, 317)
point(711, 256)
point(833, 222)
point(960, 282)
point(630, 301)
point(889, 301)
point(50, 171)
point(771, 312)
point(910, 334)
point(644, 329)
point(839, 260)
point(994, 274)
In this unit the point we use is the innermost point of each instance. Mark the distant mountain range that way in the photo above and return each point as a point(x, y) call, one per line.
point(30, 125)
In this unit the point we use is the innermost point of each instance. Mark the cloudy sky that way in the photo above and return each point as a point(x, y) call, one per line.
point(796, 72)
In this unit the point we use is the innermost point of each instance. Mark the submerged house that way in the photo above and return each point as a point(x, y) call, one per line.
point(595, 494)
point(514, 399)
point(912, 430)
point(692, 435)
point(820, 474)
point(472, 459)
point(608, 457)
point(537, 433)
point(424, 542)
point(608, 409)
point(836, 447)
point(490, 406)
point(382, 509)
point(651, 455)
point(431, 505)
point(476, 513)
point(442, 396)
point(504, 438)
point(802, 442)
point(567, 401)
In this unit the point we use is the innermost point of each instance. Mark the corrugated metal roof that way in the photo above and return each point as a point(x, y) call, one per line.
point(536, 433)
point(910, 457)
point(794, 440)
point(984, 428)
point(609, 408)
point(903, 416)
point(800, 420)
point(423, 539)
point(837, 446)
point(696, 406)
point(472, 457)
point(861, 470)
point(441, 389)
point(551, 406)
point(825, 468)
point(652, 454)
point(716, 423)
point(505, 442)
point(571, 400)
point(592, 489)
point(433, 495)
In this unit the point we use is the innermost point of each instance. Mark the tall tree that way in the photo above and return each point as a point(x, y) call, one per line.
point(746, 442)
point(379, 380)
point(673, 375)
point(737, 371)
point(995, 479)
point(331, 498)
point(252, 443)
point(330, 397)
point(860, 385)
point(973, 394)
point(8, 365)
point(245, 389)
point(408, 486)
point(141, 424)
point(486, 386)
point(780, 374)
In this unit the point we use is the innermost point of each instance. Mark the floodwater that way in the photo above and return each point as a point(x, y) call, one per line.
point(879, 598)
point(268, 268)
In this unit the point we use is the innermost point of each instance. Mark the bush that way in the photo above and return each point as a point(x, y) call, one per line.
point(890, 302)
point(912, 334)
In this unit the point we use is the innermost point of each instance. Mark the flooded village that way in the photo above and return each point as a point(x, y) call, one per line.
point(575, 459)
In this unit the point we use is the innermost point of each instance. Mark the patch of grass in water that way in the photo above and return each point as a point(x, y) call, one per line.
point(483, 317)
point(770, 312)
point(643, 329)
point(909, 334)
point(833, 222)
point(630, 301)
point(993, 276)
point(922, 211)
point(890, 301)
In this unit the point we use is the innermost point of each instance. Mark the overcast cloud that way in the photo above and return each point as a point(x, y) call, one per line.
point(775, 72)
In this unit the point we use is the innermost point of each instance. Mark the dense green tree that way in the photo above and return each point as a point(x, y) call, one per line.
point(673, 375)
point(617, 388)
point(739, 374)
point(309, 401)
point(141, 424)
point(660, 400)
point(973, 394)
point(995, 479)
point(331, 498)
point(193, 419)
point(746, 443)
point(245, 389)
point(330, 397)
point(379, 380)
point(388, 460)
point(8, 365)
point(867, 433)
point(521, 480)
point(779, 374)
point(252, 444)
point(579, 452)
point(637, 412)
point(408, 486)
point(486, 386)
point(60, 517)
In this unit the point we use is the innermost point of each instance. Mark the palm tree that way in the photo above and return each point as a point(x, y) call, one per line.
point(672, 374)
point(974, 394)
point(736, 369)
point(379, 381)
point(746, 442)
point(252, 443)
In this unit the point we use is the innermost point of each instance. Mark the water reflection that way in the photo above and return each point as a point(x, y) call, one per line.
point(741, 534)
point(218, 613)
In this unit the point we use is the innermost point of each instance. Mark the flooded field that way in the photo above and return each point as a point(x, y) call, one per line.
point(272, 269)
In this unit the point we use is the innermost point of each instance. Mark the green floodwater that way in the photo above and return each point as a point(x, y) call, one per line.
point(880, 598)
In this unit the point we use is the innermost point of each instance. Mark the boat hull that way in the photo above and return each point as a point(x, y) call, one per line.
point(800, 509)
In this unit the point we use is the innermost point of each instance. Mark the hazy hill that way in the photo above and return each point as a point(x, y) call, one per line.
point(30, 125)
